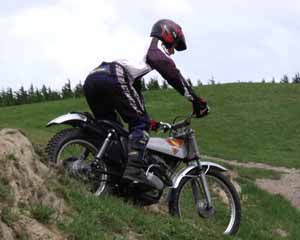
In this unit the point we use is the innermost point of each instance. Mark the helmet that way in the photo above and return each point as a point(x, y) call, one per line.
point(169, 33)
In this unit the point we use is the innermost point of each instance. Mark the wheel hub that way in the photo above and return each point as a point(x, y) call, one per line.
point(77, 167)
point(205, 211)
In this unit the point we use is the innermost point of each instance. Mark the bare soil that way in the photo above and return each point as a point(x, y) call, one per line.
point(288, 185)
point(23, 180)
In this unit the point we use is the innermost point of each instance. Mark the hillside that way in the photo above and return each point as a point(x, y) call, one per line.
point(39, 203)
point(248, 122)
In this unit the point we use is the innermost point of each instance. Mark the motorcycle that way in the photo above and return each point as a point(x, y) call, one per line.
point(95, 151)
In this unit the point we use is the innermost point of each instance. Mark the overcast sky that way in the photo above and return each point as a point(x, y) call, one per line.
point(46, 42)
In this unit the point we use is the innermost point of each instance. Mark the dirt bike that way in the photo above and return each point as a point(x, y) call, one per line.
point(95, 151)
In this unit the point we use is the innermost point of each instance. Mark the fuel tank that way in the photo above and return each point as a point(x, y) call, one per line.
point(170, 146)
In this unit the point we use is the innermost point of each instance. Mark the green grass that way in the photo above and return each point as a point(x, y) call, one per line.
point(6, 193)
point(264, 213)
point(111, 218)
point(42, 213)
point(248, 122)
point(8, 216)
point(253, 174)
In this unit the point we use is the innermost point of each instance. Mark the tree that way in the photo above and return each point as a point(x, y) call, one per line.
point(190, 82)
point(10, 97)
point(153, 84)
point(164, 85)
point(143, 84)
point(67, 90)
point(263, 80)
point(273, 80)
point(31, 95)
point(199, 83)
point(285, 79)
point(296, 78)
point(2, 97)
point(44, 92)
point(38, 95)
point(21, 96)
point(212, 80)
point(78, 91)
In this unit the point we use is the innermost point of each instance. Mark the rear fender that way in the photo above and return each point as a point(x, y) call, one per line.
point(185, 171)
point(73, 119)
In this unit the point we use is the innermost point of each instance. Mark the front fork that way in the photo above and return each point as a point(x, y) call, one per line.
point(202, 174)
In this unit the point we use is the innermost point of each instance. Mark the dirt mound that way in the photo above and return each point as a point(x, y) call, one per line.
point(26, 203)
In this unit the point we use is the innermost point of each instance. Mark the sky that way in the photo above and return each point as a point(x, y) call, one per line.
point(50, 41)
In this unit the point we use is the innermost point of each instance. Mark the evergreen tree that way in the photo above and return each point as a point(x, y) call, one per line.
point(164, 85)
point(273, 80)
point(190, 82)
point(199, 83)
point(31, 95)
point(38, 95)
point(296, 79)
point(10, 97)
point(44, 93)
point(2, 96)
point(212, 80)
point(144, 88)
point(78, 92)
point(21, 96)
point(285, 79)
point(67, 90)
point(153, 84)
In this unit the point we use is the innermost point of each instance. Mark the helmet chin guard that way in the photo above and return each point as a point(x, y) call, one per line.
point(167, 50)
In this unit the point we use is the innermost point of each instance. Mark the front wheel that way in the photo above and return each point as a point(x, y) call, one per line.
point(188, 201)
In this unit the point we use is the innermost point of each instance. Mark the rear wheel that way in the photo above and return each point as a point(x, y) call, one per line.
point(75, 144)
point(188, 201)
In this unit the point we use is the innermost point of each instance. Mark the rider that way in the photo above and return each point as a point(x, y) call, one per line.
point(115, 87)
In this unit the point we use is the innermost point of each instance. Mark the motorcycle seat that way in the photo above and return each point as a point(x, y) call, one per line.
point(117, 126)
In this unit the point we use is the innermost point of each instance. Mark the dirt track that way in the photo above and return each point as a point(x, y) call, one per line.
point(288, 185)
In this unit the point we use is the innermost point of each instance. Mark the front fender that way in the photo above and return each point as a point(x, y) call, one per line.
point(183, 172)
point(69, 118)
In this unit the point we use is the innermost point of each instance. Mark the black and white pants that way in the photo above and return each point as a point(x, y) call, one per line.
point(108, 91)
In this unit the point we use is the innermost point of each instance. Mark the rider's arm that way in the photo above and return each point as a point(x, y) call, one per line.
point(167, 68)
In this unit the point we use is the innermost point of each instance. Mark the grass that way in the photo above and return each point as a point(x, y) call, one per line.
point(111, 218)
point(248, 122)
point(42, 213)
point(8, 216)
point(6, 193)
point(263, 215)
point(253, 174)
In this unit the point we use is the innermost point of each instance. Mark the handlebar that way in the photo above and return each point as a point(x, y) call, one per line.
point(176, 125)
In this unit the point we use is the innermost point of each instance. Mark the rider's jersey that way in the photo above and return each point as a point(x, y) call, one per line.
point(135, 70)
point(155, 59)
point(163, 64)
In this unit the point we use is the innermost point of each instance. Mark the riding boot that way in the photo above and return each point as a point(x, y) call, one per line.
point(135, 166)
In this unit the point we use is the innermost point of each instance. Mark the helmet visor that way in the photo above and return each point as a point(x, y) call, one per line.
point(181, 44)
